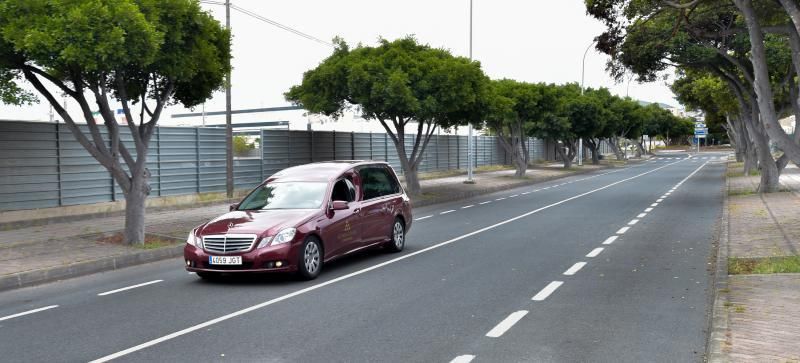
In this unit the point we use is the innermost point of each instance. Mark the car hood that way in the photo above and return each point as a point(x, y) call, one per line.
point(260, 222)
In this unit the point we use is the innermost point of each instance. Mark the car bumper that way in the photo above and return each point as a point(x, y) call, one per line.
point(258, 260)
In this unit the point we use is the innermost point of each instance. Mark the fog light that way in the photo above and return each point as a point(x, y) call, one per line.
point(188, 263)
point(278, 264)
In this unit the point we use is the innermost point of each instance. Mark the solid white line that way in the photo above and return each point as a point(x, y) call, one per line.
point(610, 240)
point(28, 312)
point(633, 221)
point(466, 358)
point(421, 218)
point(486, 202)
point(654, 205)
point(575, 268)
point(448, 211)
point(468, 206)
point(264, 304)
point(623, 230)
point(506, 324)
point(595, 252)
point(648, 210)
point(129, 287)
point(547, 291)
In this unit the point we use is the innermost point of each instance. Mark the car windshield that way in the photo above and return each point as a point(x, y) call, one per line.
point(289, 195)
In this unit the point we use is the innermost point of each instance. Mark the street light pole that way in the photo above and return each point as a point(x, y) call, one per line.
point(469, 127)
point(228, 126)
point(583, 72)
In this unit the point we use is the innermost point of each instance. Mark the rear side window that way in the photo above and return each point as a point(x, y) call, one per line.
point(377, 182)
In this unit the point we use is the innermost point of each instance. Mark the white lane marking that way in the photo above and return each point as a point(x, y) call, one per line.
point(545, 188)
point(623, 230)
point(659, 200)
point(421, 218)
point(276, 300)
point(466, 358)
point(654, 205)
point(547, 291)
point(536, 190)
point(513, 196)
point(595, 252)
point(28, 312)
point(633, 221)
point(468, 206)
point(575, 268)
point(486, 202)
point(523, 193)
point(500, 198)
point(641, 215)
point(664, 196)
point(648, 210)
point(506, 324)
point(610, 240)
point(448, 211)
point(129, 287)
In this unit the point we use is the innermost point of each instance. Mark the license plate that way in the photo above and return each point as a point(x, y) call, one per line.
point(225, 260)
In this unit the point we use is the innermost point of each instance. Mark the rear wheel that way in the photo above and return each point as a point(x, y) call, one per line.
point(398, 237)
point(309, 263)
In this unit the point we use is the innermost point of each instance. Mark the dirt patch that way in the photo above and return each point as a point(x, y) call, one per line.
point(151, 241)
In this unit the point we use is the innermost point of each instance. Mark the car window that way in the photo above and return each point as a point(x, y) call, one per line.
point(377, 182)
point(343, 190)
point(286, 195)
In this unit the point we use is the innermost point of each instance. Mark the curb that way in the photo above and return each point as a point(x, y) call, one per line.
point(718, 330)
point(35, 277)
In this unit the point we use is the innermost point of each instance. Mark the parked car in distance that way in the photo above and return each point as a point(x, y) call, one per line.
point(303, 217)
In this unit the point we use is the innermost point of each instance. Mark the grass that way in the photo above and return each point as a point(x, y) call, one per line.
point(151, 241)
point(741, 192)
point(738, 173)
point(765, 265)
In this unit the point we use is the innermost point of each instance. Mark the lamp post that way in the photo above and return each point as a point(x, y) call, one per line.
point(583, 72)
point(469, 127)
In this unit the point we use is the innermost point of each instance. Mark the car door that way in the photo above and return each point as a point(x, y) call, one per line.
point(342, 232)
point(377, 194)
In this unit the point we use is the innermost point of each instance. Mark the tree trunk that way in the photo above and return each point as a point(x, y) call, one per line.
point(767, 165)
point(762, 86)
point(613, 143)
point(639, 149)
point(135, 212)
point(593, 147)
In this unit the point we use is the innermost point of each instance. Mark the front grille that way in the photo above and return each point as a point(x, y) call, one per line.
point(228, 243)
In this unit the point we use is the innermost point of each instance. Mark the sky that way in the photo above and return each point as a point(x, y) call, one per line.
point(531, 41)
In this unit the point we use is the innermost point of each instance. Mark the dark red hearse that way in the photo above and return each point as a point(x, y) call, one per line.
point(302, 217)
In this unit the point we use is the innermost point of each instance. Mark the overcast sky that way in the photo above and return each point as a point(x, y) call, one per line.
point(532, 41)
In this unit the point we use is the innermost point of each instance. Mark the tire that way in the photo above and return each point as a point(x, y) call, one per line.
point(309, 262)
point(207, 276)
point(397, 236)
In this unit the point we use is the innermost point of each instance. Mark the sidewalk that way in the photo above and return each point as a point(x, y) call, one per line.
point(37, 254)
point(757, 316)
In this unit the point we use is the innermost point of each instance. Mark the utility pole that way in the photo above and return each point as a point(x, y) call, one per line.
point(228, 126)
point(469, 138)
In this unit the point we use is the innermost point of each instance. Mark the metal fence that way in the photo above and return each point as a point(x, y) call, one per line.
point(42, 165)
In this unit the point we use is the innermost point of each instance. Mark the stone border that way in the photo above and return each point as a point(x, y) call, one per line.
point(35, 277)
point(718, 322)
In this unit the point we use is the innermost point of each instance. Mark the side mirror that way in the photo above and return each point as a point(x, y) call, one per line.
point(233, 207)
point(339, 205)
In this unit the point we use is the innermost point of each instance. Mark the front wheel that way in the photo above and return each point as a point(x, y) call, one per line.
point(398, 237)
point(310, 259)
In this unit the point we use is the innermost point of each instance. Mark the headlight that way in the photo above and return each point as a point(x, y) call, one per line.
point(284, 236)
point(194, 240)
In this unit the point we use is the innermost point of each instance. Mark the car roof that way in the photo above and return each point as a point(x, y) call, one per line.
point(321, 171)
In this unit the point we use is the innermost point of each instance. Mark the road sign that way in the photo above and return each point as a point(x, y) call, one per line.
point(700, 136)
point(699, 125)
point(700, 131)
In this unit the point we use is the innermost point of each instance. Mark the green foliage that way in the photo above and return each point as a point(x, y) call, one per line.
point(241, 146)
point(396, 80)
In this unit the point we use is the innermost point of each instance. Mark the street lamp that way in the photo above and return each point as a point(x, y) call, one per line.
point(469, 127)
point(583, 72)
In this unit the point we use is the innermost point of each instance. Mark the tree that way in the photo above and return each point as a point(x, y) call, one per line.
point(135, 52)
point(588, 117)
point(397, 83)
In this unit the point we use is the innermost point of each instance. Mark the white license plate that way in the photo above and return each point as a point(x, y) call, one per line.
point(225, 260)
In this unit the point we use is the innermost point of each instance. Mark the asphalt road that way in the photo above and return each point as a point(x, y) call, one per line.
point(553, 272)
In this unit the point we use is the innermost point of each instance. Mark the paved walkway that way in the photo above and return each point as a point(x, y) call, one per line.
point(763, 311)
point(36, 250)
